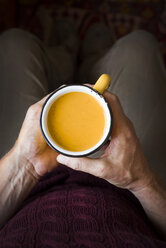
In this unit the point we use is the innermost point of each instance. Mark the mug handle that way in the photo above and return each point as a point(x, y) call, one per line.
point(102, 83)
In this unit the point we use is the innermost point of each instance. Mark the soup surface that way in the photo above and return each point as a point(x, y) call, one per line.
point(76, 121)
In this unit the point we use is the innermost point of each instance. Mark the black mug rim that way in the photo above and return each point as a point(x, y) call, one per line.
point(86, 154)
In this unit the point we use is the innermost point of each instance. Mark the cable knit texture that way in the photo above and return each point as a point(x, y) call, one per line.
point(70, 209)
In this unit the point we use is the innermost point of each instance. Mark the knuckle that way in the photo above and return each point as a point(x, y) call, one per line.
point(128, 142)
point(31, 109)
point(128, 134)
point(34, 110)
point(115, 98)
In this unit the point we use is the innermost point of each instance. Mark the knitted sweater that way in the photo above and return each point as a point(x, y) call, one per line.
point(71, 209)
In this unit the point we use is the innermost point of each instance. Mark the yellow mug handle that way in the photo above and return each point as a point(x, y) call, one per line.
point(103, 83)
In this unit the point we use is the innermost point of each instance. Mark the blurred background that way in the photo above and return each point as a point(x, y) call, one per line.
point(120, 16)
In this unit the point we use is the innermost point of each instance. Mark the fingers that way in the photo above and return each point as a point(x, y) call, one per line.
point(45, 161)
point(114, 102)
point(91, 166)
point(90, 85)
point(41, 102)
point(119, 118)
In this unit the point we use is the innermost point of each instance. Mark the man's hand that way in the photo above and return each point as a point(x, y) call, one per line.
point(31, 146)
point(124, 165)
point(123, 162)
point(24, 164)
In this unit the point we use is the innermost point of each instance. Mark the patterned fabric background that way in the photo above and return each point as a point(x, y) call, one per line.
point(121, 16)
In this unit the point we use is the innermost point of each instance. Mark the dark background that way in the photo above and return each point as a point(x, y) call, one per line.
point(121, 16)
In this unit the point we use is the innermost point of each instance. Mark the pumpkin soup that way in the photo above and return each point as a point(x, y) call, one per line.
point(76, 121)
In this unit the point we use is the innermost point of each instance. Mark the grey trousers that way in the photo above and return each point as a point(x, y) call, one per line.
point(27, 69)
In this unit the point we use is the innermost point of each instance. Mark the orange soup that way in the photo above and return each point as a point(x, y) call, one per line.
point(76, 121)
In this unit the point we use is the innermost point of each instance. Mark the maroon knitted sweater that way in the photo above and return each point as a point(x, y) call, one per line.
point(77, 210)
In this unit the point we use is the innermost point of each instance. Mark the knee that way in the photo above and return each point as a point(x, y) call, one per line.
point(139, 42)
point(16, 40)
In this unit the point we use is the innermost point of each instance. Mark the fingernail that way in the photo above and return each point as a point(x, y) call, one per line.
point(61, 159)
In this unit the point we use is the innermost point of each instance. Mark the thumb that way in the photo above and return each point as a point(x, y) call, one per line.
point(88, 165)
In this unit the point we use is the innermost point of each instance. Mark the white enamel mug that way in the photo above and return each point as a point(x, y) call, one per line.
point(76, 88)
